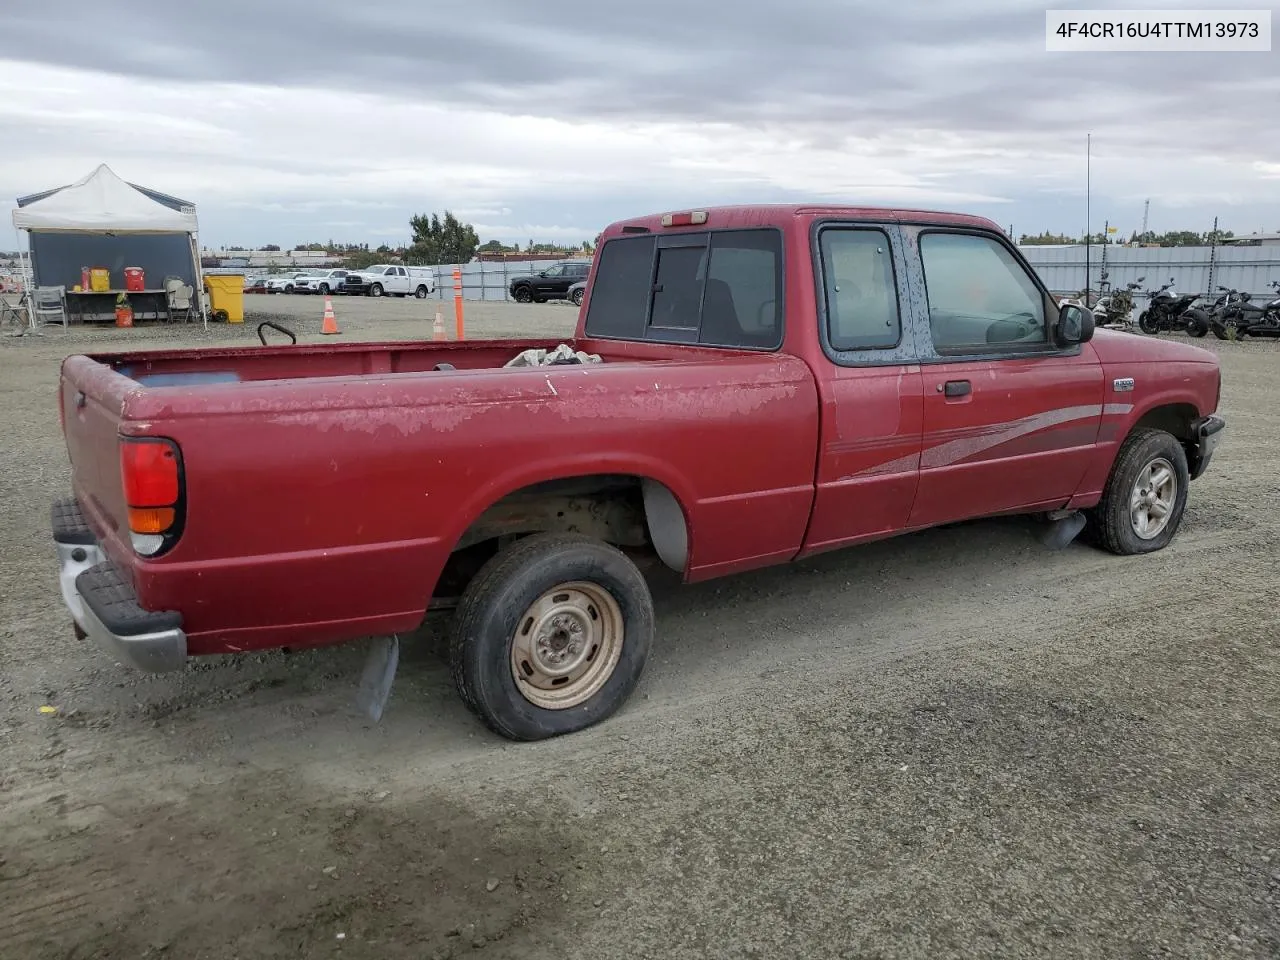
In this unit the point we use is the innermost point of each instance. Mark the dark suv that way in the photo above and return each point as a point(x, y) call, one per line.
point(552, 283)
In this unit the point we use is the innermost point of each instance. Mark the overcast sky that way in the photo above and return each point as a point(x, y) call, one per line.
point(293, 121)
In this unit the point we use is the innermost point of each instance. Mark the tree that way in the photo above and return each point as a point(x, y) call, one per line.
point(442, 241)
point(362, 259)
point(272, 248)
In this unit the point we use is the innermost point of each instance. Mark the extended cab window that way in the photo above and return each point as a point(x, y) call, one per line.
point(980, 298)
point(721, 288)
point(860, 288)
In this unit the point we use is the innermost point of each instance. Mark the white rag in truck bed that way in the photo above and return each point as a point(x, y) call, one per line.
point(546, 358)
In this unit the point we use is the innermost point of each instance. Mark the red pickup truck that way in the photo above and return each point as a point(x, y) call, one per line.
point(760, 384)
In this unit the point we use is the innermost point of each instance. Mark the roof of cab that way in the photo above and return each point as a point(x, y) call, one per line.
point(775, 214)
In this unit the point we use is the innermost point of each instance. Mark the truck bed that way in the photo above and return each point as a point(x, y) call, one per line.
point(326, 485)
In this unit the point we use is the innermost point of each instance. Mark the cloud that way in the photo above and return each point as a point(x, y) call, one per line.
point(572, 115)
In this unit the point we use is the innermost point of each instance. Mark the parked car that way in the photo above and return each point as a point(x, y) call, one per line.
point(285, 283)
point(325, 282)
point(577, 292)
point(552, 283)
point(912, 371)
point(388, 279)
point(255, 285)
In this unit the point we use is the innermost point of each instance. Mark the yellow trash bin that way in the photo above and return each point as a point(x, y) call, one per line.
point(226, 293)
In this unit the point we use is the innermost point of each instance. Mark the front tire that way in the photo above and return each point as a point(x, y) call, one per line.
point(324, 288)
point(1141, 508)
point(576, 297)
point(375, 290)
point(523, 295)
point(1147, 323)
point(551, 636)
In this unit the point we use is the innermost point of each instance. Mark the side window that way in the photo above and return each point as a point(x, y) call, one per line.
point(555, 271)
point(860, 289)
point(980, 298)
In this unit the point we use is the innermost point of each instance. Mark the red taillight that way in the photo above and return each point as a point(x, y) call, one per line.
point(150, 471)
point(684, 219)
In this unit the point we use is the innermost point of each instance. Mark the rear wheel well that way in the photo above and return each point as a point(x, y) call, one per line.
point(638, 515)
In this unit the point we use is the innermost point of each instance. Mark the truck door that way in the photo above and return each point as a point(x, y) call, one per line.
point(870, 388)
point(1010, 420)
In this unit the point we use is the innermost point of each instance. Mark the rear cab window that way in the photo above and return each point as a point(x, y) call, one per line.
point(720, 288)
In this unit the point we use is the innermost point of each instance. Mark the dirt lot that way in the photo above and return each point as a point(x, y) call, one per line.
point(955, 744)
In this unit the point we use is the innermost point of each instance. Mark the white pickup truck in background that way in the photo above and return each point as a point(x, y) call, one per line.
point(387, 279)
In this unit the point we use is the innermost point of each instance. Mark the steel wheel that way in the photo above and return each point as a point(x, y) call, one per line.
point(1152, 499)
point(567, 645)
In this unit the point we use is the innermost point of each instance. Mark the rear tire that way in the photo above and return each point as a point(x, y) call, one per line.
point(421, 292)
point(552, 618)
point(1150, 474)
point(1197, 326)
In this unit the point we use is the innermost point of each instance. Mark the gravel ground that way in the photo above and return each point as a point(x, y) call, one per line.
point(954, 744)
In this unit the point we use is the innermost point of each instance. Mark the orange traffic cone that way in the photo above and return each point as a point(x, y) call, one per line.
point(438, 330)
point(330, 324)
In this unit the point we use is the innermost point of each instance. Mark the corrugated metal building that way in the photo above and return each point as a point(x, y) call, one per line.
point(1248, 268)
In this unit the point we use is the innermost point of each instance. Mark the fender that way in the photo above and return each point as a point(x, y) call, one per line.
point(583, 465)
point(1123, 410)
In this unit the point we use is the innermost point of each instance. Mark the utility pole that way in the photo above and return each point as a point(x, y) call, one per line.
point(1146, 209)
point(1213, 257)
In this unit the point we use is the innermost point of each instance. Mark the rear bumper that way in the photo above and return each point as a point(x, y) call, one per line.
point(103, 604)
point(1208, 433)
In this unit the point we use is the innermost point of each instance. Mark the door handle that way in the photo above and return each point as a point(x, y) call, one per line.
point(957, 388)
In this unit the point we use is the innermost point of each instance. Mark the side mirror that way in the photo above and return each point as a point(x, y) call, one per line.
point(1075, 325)
point(542, 273)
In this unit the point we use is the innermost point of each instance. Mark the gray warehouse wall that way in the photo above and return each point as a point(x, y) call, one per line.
point(58, 257)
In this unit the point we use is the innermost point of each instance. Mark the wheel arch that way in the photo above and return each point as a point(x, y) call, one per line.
point(639, 506)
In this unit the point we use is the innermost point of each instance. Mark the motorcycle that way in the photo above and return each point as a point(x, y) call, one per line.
point(1165, 309)
point(1241, 317)
point(1200, 318)
point(1113, 308)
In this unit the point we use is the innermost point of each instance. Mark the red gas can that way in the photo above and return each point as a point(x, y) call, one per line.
point(134, 279)
point(84, 279)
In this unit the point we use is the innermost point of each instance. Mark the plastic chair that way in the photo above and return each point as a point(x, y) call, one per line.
point(50, 305)
point(179, 296)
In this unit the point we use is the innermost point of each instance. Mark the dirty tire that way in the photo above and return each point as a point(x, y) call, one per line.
point(489, 615)
point(1110, 522)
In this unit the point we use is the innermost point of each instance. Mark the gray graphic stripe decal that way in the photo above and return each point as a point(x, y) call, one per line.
point(953, 451)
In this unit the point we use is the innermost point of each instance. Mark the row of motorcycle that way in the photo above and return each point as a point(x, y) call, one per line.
point(1231, 315)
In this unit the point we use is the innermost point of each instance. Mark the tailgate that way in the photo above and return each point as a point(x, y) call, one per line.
point(91, 399)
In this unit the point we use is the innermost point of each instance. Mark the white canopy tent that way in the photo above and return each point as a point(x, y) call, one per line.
point(103, 203)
